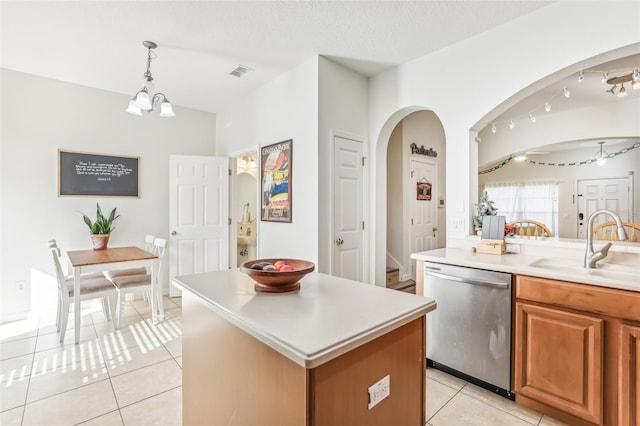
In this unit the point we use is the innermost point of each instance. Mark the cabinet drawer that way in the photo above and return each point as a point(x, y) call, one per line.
point(606, 301)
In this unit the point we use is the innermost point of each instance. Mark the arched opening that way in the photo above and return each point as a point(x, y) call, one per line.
point(410, 152)
point(545, 140)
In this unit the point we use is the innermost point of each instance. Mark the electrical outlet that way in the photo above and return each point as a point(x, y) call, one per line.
point(379, 391)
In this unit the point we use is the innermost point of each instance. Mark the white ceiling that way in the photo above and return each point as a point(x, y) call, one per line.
point(99, 44)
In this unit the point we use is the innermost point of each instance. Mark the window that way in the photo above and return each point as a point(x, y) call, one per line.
point(526, 200)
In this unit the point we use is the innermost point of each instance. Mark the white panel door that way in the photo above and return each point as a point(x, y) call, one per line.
point(595, 194)
point(199, 215)
point(347, 209)
point(423, 211)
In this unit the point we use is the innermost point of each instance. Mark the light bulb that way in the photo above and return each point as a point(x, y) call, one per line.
point(636, 75)
point(520, 158)
point(494, 128)
point(635, 85)
point(601, 161)
point(547, 107)
point(252, 164)
point(623, 92)
point(532, 118)
point(166, 110)
point(512, 124)
point(132, 108)
point(604, 78)
point(566, 92)
point(243, 162)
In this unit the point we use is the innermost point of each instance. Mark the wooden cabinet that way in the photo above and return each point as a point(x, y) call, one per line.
point(629, 376)
point(559, 359)
point(577, 351)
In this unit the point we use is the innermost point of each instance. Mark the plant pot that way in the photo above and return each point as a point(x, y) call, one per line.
point(100, 241)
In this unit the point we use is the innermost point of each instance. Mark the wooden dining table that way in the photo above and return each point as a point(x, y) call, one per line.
point(84, 261)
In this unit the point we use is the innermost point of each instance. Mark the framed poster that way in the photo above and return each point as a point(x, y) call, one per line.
point(275, 162)
point(423, 191)
point(101, 175)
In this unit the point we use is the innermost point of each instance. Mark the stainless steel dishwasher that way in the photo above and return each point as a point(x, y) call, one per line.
point(469, 334)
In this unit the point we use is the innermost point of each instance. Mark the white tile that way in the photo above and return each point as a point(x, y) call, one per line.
point(53, 359)
point(437, 396)
point(13, 393)
point(177, 300)
point(137, 336)
point(65, 378)
point(16, 348)
point(147, 381)
point(72, 407)
point(110, 419)
point(501, 403)
point(174, 346)
point(127, 360)
point(15, 368)
point(12, 417)
point(445, 379)
point(164, 409)
point(548, 421)
point(19, 330)
point(468, 411)
point(52, 340)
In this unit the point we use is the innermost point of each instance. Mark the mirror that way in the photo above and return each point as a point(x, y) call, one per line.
point(542, 152)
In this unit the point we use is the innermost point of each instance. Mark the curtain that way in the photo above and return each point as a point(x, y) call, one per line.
point(526, 200)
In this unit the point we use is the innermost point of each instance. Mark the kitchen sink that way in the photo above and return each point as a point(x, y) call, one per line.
point(626, 272)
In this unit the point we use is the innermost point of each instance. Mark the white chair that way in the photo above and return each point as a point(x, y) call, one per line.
point(133, 283)
point(148, 246)
point(92, 286)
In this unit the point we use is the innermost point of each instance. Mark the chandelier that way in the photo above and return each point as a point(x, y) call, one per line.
point(141, 101)
point(601, 156)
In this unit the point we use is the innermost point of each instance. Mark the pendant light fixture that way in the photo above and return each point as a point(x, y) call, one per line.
point(141, 101)
point(601, 156)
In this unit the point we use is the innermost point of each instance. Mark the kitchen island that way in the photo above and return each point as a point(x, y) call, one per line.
point(301, 358)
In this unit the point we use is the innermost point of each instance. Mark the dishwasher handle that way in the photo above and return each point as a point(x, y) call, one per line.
point(467, 280)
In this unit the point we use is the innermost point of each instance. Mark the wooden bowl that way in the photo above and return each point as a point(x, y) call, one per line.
point(278, 281)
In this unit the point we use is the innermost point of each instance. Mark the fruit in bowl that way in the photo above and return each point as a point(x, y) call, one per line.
point(277, 275)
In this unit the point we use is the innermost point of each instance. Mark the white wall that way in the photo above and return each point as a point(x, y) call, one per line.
point(463, 82)
point(285, 108)
point(39, 116)
point(395, 202)
point(342, 108)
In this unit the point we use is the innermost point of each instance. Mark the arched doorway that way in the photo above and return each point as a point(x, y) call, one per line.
point(399, 222)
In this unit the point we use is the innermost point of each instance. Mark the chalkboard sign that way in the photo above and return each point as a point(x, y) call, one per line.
point(97, 174)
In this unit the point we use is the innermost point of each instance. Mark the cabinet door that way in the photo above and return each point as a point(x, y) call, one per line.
point(558, 360)
point(629, 376)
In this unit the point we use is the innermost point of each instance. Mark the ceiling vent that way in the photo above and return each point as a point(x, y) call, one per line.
point(240, 70)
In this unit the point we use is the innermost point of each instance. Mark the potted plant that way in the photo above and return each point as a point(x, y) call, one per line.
point(483, 208)
point(101, 228)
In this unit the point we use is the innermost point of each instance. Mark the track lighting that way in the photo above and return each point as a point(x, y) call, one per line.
point(532, 118)
point(547, 107)
point(580, 77)
point(511, 124)
point(566, 92)
point(605, 77)
point(494, 128)
point(141, 101)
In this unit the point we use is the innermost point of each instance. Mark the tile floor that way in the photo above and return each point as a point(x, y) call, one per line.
point(134, 376)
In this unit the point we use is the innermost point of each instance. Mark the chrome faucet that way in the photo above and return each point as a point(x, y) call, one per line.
point(591, 256)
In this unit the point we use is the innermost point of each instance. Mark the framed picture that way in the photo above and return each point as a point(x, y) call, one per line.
point(276, 161)
point(99, 175)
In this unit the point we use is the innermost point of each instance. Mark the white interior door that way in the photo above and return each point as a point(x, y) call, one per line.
point(423, 207)
point(199, 215)
point(594, 194)
point(348, 222)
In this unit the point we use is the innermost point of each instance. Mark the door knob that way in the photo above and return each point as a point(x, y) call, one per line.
point(173, 233)
point(339, 241)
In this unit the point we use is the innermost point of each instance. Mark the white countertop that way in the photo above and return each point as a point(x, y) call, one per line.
point(327, 317)
point(565, 264)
